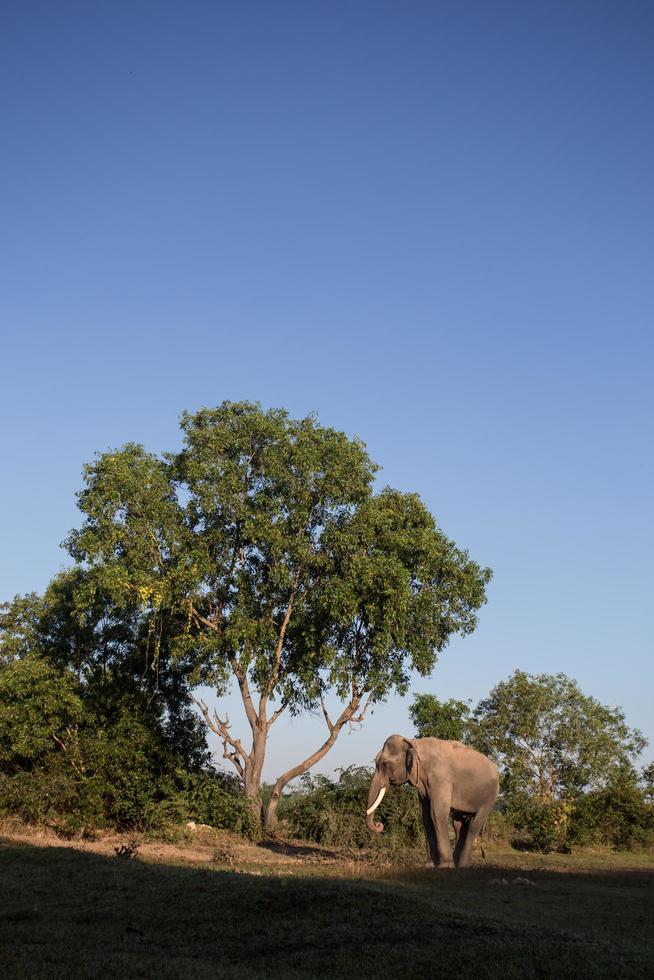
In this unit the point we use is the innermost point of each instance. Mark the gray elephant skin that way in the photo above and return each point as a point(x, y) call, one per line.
point(451, 779)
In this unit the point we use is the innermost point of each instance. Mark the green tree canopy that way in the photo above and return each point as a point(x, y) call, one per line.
point(119, 657)
point(275, 566)
point(440, 719)
point(551, 739)
point(94, 728)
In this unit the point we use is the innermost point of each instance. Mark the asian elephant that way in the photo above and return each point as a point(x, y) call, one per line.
point(451, 778)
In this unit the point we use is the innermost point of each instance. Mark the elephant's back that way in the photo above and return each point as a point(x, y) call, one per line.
point(463, 759)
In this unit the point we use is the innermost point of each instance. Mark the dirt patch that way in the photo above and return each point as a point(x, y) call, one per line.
point(204, 846)
point(275, 855)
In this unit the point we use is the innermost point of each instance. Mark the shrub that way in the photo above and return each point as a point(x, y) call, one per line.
point(53, 797)
point(498, 828)
point(333, 812)
point(70, 766)
point(617, 816)
point(38, 703)
point(545, 822)
point(216, 799)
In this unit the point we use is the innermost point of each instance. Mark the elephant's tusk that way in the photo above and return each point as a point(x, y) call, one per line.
point(371, 809)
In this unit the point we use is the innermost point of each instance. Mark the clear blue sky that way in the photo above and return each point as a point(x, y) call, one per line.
point(431, 223)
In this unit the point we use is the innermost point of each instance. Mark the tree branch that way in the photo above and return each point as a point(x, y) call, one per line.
point(239, 674)
point(347, 715)
point(330, 725)
point(359, 719)
point(275, 715)
point(200, 620)
point(62, 745)
point(244, 688)
point(277, 659)
point(238, 756)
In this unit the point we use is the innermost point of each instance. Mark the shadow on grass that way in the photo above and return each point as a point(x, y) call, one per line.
point(68, 913)
point(293, 849)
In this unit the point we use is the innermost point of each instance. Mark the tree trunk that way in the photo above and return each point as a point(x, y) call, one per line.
point(252, 774)
point(252, 791)
point(249, 765)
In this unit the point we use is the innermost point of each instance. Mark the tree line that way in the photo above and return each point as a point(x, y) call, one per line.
point(258, 557)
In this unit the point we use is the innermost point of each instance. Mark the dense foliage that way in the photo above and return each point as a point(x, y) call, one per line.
point(94, 731)
point(566, 761)
point(440, 719)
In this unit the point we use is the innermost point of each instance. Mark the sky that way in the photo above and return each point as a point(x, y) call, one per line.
point(428, 223)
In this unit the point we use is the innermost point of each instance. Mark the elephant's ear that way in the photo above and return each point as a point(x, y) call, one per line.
point(412, 760)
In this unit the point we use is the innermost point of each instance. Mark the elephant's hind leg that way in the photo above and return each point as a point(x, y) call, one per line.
point(474, 828)
point(430, 833)
point(461, 827)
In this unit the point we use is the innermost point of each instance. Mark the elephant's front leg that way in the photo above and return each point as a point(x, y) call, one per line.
point(430, 833)
point(440, 811)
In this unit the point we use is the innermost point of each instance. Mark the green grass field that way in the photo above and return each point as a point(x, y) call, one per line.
point(66, 912)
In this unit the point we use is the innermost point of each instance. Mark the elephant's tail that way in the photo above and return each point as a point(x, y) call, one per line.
point(481, 843)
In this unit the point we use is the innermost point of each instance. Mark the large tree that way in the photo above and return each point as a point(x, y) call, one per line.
point(552, 740)
point(263, 543)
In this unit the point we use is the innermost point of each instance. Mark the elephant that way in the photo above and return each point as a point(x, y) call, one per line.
point(451, 778)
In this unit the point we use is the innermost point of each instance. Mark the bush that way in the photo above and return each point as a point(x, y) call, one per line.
point(541, 825)
point(53, 797)
point(38, 703)
point(217, 799)
point(333, 812)
point(616, 816)
point(498, 828)
point(133, 768)
point(75, 768)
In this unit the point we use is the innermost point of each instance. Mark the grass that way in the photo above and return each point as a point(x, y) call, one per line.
point(68, 913)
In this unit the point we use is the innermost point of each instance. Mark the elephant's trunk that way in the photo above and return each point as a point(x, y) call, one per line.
point(376, 792)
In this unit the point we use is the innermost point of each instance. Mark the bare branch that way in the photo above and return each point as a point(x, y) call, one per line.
point(238, 756)
point(358, 719)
